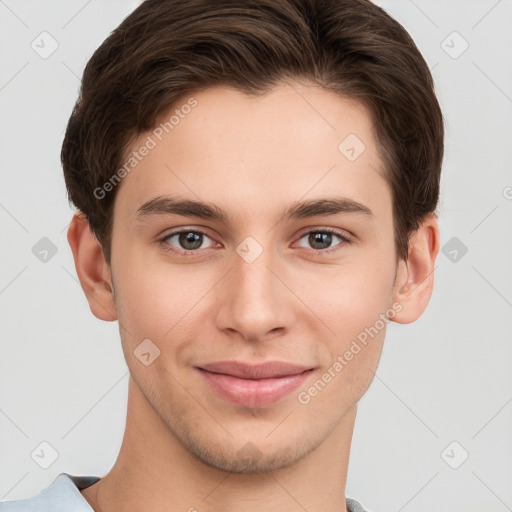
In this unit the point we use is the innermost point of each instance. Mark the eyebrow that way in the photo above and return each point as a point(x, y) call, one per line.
point(168, 205)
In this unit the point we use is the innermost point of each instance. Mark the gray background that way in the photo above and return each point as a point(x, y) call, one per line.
point(445, 379)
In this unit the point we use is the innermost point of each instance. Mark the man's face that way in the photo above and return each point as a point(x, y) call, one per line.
point(258, 285)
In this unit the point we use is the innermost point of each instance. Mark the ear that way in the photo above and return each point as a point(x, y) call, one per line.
point(415, 277)
point(91, 268)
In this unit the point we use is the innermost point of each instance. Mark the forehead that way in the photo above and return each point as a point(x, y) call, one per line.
point(243, 150)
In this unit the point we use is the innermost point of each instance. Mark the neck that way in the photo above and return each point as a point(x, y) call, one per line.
point(154, 472)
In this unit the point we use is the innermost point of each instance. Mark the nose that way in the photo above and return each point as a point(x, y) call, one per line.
point(254, 301)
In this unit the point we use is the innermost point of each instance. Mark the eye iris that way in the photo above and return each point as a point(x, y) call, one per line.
point(315, 238)
point(195, 239)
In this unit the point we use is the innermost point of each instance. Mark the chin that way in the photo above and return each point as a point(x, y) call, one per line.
point(249, 459)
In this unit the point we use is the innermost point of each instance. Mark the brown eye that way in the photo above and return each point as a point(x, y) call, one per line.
point(320, 240)
point(323, 240)
point(186, 240)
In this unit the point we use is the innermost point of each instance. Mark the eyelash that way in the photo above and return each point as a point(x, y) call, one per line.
point(343, 238)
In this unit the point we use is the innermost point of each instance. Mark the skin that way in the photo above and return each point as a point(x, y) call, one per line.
point(253, 157)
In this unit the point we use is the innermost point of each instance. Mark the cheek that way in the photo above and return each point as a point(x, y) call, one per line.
point(159, 301)
point(357, 316)
point(349, 299)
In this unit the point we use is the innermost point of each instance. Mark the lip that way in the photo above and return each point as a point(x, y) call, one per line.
point(254, 385)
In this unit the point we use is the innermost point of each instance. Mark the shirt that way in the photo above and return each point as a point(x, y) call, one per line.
point(63, 495)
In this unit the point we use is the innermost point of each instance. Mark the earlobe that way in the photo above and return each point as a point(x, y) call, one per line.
point(415, 277)
point(91, 268)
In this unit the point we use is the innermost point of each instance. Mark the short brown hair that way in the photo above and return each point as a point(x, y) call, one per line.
point(165, 49)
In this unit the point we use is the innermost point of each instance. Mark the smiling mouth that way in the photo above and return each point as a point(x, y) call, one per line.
point(254, 385)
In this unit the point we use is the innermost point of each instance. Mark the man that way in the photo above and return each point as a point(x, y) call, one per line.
point(256, 184)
